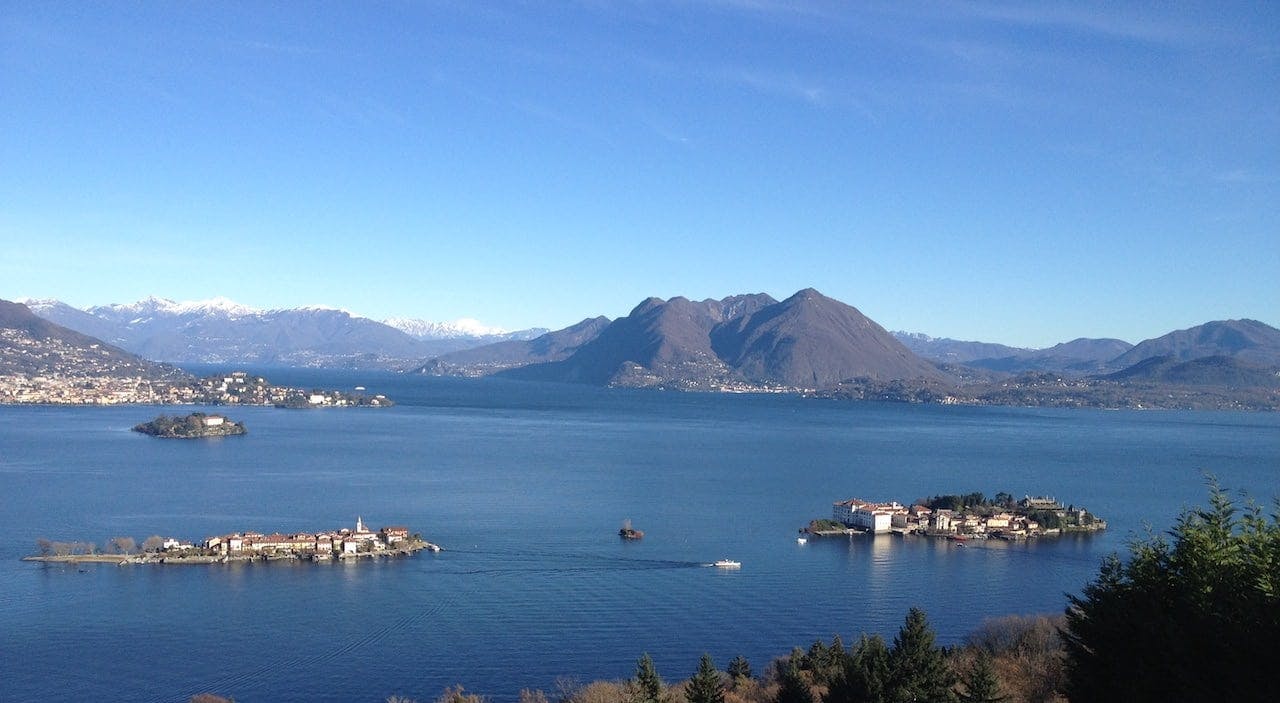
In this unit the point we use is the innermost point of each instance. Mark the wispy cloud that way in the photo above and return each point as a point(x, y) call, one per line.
point(1103, 21)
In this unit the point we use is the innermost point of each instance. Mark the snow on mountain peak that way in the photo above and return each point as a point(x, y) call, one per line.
point(39, 303)
point(424, 329)
point(152, 305)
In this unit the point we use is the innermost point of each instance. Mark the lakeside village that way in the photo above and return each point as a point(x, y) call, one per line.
point(344, 543)
point(236, 388)
point(959, 517)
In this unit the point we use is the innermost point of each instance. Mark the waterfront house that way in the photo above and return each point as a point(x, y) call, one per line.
point(872, 517)
point(394, 534)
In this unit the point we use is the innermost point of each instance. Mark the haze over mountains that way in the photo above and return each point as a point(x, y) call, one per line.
point(223, 331)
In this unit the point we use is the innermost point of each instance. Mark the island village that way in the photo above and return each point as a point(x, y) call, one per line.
point(344, 543)
point(969, 516)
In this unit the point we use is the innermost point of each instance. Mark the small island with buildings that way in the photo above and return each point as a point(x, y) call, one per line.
point(193, 426)
point(340, 544)
point(959, 517)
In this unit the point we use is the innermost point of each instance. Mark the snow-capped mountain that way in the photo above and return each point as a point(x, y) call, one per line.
point(463, 328)
point(220, 330)
point(153, 306)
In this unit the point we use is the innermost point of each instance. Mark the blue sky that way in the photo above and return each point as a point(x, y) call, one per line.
point(1020, 173)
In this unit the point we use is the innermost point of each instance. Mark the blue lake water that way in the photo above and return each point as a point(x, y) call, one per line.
point(526, 485)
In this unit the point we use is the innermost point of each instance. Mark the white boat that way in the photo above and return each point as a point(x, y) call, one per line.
point(802, 540)
point(728, 564)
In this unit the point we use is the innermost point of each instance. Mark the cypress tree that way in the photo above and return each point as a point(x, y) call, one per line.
point(705, 686)
point(917, 668)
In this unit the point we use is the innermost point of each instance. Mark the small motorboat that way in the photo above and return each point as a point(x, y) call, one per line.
point(728, 564)
point(802, 540)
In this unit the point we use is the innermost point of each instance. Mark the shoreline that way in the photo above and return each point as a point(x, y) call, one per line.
point(164, 559)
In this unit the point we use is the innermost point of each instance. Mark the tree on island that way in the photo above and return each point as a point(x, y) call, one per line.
point(1191, 617)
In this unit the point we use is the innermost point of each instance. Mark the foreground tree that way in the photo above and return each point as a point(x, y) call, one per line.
point(980, 682)
point(705, 686)
point(1193, 618)
point(739, 668)
point(918, 670)
point(647, 684)
point(865, 675)
point(792, 687)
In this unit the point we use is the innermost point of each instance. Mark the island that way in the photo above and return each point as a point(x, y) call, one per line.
point(245, 546)
point(959, 517)
point(193, 426)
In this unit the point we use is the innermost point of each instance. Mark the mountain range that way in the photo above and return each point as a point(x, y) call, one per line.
point(742, 342)
point(223, 331)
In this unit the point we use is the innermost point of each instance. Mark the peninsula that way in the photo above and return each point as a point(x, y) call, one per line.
point(343, 543)
point(193, 426)
point(960, 517)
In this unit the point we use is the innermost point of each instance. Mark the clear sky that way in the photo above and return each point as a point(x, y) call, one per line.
point(1024, 173)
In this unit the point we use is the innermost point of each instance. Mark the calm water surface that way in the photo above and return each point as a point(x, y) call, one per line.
point(526, 485)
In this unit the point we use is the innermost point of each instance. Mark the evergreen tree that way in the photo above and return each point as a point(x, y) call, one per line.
point(739, 668)
point(917, 669)
point(825, 662)
point(980, 682)
point(647, 685)
point(865, 674)
point(705, 686)
point(793, 688)
point(1184, 619)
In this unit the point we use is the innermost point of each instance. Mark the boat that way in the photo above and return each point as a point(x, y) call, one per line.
point(628, 532)
point(802, 540)
point(728, 564)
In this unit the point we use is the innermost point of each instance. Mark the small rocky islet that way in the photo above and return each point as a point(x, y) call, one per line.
point(193, 426)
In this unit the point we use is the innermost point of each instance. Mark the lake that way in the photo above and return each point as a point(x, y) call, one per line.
point(526, 485)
